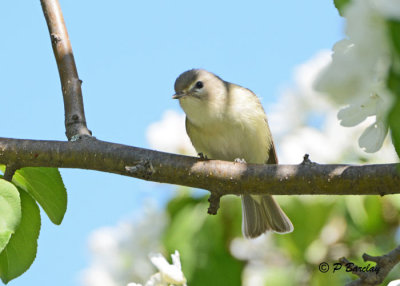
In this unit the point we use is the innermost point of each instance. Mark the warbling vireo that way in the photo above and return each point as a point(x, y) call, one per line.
point(225, 122)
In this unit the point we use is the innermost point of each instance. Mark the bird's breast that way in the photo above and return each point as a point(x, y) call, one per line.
point(229, 139)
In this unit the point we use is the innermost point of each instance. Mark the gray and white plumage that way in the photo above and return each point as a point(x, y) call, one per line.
point(226, 121)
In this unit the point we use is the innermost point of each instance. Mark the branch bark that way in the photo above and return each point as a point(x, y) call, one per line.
point(75, 121)
point(219, 177)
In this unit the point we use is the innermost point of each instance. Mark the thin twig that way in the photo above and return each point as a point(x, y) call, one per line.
point(9, 172)
point(375, 275)
point(214, 201)
point(226, 177)
point(75, 121)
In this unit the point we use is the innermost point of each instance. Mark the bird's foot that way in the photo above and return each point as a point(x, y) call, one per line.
point(202, 156)
point(307, 161)
point(240, 160)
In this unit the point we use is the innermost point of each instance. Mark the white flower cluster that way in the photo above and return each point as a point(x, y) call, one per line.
point(168, 275)
point(305, 121)
point(119, 254)
point(357, 74)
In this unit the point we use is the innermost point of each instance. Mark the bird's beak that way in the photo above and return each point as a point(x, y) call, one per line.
point(178, 95)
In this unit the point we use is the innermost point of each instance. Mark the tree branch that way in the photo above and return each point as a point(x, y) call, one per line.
point(384, 264)
point(9, 172)
point(221, 176)
point(75, 121)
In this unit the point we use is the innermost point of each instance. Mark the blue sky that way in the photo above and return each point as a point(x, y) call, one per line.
point(128, 54)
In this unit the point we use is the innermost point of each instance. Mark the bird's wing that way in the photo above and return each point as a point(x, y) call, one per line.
point(187, 126)
point(272, 158)
point(189, 131)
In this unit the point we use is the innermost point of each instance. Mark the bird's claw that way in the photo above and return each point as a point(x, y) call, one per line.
point(202, 156)
point(240, 160)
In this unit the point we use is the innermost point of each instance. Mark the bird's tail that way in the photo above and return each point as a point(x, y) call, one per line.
point(262, 213)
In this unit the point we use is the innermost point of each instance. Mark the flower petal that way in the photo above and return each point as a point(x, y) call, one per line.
point(394, 283)
point(351, 116)
point(356, 113)
point(372, 138)
point(169, 273)
point(159, 261)
point(176, 259)
point(156, 280)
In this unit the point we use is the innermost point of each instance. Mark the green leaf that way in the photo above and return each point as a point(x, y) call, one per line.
point(340, 5)
point(304, 212)
point(393, 83)
point(203, 240)
point(20, 251)
point(45, 185)
point(394, 123)
point(10, 211)
point(394, 30)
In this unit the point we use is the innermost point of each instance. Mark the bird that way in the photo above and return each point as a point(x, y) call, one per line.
point(225, 121)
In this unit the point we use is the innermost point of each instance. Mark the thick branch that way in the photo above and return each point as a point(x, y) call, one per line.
point(75, 121)
point(384, 264)
point(224, 177)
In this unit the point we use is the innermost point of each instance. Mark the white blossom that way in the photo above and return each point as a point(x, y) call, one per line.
point(394, 283)
point(304, 120)
point(356, 76)
point(389, 8)
point(119, 254)
point(169, 274)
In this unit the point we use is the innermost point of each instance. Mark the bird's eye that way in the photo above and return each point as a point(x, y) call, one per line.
point(199, 84)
